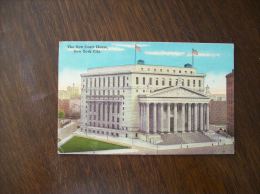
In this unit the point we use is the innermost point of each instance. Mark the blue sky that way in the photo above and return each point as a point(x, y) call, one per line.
point(214, 59)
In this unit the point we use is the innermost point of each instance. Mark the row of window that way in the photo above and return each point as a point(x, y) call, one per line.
point(106, 81)
point(97, 82)
point(167, 70)
point(151, 81)
point(94, 117)
point(94, 108)
point(94, 124)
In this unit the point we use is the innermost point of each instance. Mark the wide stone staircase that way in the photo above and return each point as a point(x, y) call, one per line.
point(184, 138)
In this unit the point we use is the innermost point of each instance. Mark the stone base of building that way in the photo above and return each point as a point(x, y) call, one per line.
point(153, 138)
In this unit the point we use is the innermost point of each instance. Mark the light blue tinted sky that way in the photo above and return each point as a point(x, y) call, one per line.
point(214, 59)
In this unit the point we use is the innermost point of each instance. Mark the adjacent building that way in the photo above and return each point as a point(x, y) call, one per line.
point(230, 102)
point(70, 92)
point(143, 99)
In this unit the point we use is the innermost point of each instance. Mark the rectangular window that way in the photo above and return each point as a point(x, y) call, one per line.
point(118, 81)
point(99, 80)
point(156, 82)
point(123, 81)
point(143, 80)
point(163, 82)
point(188, 82)
point(104, 81)
point(113, 81)
point(118, 108)
point(170, 83)
point(95, 82)
point(151, 81)
point(137, 81)
point(199, 83)
point(194, 83)
point(108, 79)
point(86, 82)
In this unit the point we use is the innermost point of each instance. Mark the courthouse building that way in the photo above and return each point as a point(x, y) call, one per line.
point(132, 100)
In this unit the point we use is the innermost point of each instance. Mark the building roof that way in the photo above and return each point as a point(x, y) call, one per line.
point(142, 68)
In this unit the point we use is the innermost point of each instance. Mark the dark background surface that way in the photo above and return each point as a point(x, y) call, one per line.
point(29, 36)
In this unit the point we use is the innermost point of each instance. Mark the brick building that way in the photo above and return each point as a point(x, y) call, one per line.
point(230, 102)
point(218, 112)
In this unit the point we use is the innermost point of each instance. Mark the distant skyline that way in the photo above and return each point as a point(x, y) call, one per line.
point(214, 59)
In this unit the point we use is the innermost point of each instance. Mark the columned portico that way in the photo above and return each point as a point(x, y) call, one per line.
point(184, 113)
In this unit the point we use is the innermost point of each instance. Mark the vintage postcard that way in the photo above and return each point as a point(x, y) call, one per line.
point(150, 98)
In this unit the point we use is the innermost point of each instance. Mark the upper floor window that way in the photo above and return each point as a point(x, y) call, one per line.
point(118, 81)
point(151, 81)
point(199, 83)
point(123, 81)
point(95, 82)
point(188, 82)
point(113, 81)
point(104, 81)
point(137, 80)
point(156, 82)
point(194, 83)
point(108, 81)
point(179, 71)
point(163, 82)
point(170, 82)
point(143, 80)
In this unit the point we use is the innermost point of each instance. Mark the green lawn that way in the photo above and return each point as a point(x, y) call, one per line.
point(81, 144)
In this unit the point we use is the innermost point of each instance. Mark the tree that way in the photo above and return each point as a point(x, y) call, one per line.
point(61, 114)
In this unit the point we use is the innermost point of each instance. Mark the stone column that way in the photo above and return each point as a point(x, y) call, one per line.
point(119, 114)
point(105, 110)
point(195, 117)
point(101, 114)
point(189, 117)
point(147, 118)
point(110, 114)
point(201, 116)
point(183, 117)
point(168, 117)
point(140, 117)
point(161, 118)
point(154, 118)
point(207, 117)
point(175, 117)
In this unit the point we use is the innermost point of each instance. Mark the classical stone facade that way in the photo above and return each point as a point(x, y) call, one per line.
point(132, 99)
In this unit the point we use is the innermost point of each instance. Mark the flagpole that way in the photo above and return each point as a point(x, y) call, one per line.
point(192, 58)
point(135, 54)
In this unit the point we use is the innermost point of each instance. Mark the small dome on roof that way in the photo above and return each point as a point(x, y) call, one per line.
point(187, 65)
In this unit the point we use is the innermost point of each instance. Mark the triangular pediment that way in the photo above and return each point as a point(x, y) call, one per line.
point(176, 92)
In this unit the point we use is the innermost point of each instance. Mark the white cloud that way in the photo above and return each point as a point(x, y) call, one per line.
point(179, 54)
point(165, 53)
point(216, 82)
point(69, 76)
point(112, 49)
point(130, 45)
point(203, 54)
